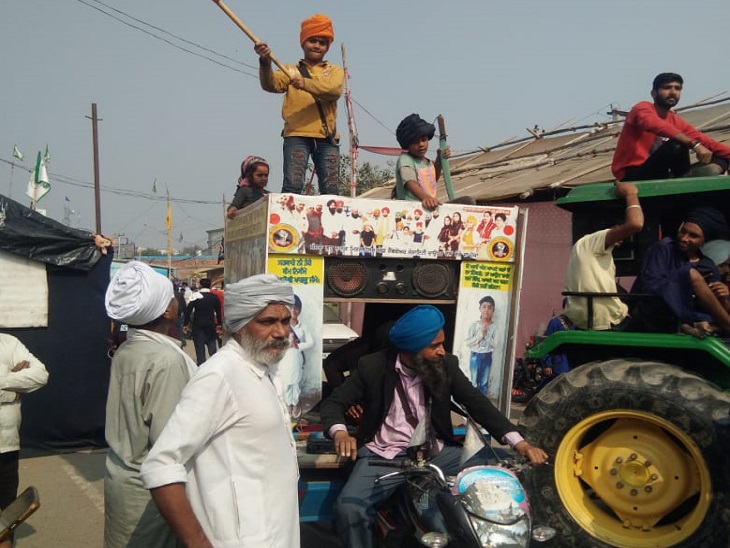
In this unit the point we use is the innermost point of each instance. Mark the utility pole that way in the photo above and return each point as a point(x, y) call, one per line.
point(97, 191)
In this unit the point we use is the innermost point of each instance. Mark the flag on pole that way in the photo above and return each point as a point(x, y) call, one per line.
point(17, 154)
point(38, 185)
point(168, 217)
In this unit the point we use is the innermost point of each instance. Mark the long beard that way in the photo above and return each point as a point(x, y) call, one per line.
point(433, 375)
point(268, 352)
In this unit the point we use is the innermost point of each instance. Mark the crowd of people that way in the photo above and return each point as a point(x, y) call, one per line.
point(679, 286)
point(203, 454)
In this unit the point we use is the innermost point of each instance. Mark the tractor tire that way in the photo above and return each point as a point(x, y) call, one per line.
point(639, 457)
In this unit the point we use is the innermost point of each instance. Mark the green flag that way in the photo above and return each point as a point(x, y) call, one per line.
point(38, 185)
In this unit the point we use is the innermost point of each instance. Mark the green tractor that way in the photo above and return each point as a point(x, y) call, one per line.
point(639, 428)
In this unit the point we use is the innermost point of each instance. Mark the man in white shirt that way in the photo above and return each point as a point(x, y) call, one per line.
point(591, 268)
point(20, 372)
point(224, 471)
point(148, 374)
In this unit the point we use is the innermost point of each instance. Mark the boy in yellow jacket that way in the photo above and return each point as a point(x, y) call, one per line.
point(309, 110)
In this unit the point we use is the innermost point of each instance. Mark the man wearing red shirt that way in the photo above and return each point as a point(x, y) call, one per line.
point(655, 142)
point(219, 293)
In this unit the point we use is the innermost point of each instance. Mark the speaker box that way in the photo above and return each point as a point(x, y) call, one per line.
point(381, 279)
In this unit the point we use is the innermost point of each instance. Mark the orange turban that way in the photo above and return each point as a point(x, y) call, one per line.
point(317, 25)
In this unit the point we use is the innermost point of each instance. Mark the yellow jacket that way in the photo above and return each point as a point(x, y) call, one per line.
point(299, 110)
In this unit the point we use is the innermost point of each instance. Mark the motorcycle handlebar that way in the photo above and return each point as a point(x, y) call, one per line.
point(401, 463)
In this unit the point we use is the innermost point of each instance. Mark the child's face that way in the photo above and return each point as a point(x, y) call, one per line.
point(486, 310)
point(418, 149)
point(260, 176)
point(315, 48)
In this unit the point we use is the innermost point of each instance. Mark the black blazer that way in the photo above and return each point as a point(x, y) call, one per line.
point(372, 385)
point(205, 311)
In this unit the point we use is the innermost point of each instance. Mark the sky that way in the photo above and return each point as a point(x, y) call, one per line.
point(179, 101)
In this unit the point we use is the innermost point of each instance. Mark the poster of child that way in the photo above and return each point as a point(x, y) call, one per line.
point(298, 376)
point(480, 338)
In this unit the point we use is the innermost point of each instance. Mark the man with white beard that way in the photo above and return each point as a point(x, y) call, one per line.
point(224, 471)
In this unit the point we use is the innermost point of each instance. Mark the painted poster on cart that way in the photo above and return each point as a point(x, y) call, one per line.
point(359, 227)
point(298, 376)
point(482, 325)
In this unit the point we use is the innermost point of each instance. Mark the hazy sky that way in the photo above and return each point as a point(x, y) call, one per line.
point(492, 68)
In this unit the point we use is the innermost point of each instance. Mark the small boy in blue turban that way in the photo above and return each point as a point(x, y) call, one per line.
point(416, 175)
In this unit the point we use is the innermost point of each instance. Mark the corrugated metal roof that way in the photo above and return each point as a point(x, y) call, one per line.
point(531, 168)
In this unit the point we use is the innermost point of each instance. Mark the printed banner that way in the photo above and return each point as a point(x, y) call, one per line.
point(245, 239)
point(358, 227)
point(482, 325)
point(298, 376)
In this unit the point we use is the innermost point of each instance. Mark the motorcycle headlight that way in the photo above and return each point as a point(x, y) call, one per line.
point(434, 540)
point(496, 535)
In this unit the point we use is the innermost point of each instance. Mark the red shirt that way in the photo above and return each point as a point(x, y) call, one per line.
point(643, 126)
point(218, 293)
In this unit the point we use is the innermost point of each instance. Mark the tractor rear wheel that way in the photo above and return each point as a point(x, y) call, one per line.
point(639, 457)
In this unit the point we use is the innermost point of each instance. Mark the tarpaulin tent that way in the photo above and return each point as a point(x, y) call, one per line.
point(69, 412)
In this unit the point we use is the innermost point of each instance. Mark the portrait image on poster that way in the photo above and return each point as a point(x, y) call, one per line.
point(298, 376)
point(480, 337)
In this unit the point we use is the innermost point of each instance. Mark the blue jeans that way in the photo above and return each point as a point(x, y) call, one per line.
point(479, 366)
point(360, 496)
point(326, 158)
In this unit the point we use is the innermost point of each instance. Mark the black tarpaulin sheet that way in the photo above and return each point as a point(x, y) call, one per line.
point(28, 233)
point(69, 412)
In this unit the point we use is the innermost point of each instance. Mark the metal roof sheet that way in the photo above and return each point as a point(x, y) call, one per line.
point(545, 167)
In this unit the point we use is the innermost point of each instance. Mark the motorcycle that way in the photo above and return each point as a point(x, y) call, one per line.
point(483, 506)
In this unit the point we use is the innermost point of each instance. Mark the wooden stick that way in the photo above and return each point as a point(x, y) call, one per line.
point(445, 161)
point(248, 33)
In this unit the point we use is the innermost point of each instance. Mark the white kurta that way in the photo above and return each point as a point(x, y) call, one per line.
point(149, 372)
point(229, 440)
point(12, 384)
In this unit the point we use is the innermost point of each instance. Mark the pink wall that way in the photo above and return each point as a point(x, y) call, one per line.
point(546, 257)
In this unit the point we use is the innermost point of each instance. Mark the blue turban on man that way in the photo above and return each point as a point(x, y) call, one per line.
point(417, 328)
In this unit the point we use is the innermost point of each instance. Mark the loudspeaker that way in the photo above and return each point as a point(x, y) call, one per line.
point(379, 279)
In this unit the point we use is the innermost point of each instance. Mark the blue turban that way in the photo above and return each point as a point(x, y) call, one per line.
point(417, 328)
point(710, 220)
point(411, 129)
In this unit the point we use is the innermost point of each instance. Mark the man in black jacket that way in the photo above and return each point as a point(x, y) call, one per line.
point(206, 314)
point(396, 388)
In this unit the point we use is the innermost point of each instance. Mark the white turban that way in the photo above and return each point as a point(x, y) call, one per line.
point(246, 298)
point(137, 294)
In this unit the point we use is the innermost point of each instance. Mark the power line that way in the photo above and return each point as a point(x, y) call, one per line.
point(170, 42)
point(190, 42)
point(71, 181)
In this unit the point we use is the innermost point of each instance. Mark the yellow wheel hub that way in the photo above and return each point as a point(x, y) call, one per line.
point(632, 479)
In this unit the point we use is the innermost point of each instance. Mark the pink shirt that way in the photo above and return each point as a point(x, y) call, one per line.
point(395, 434)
